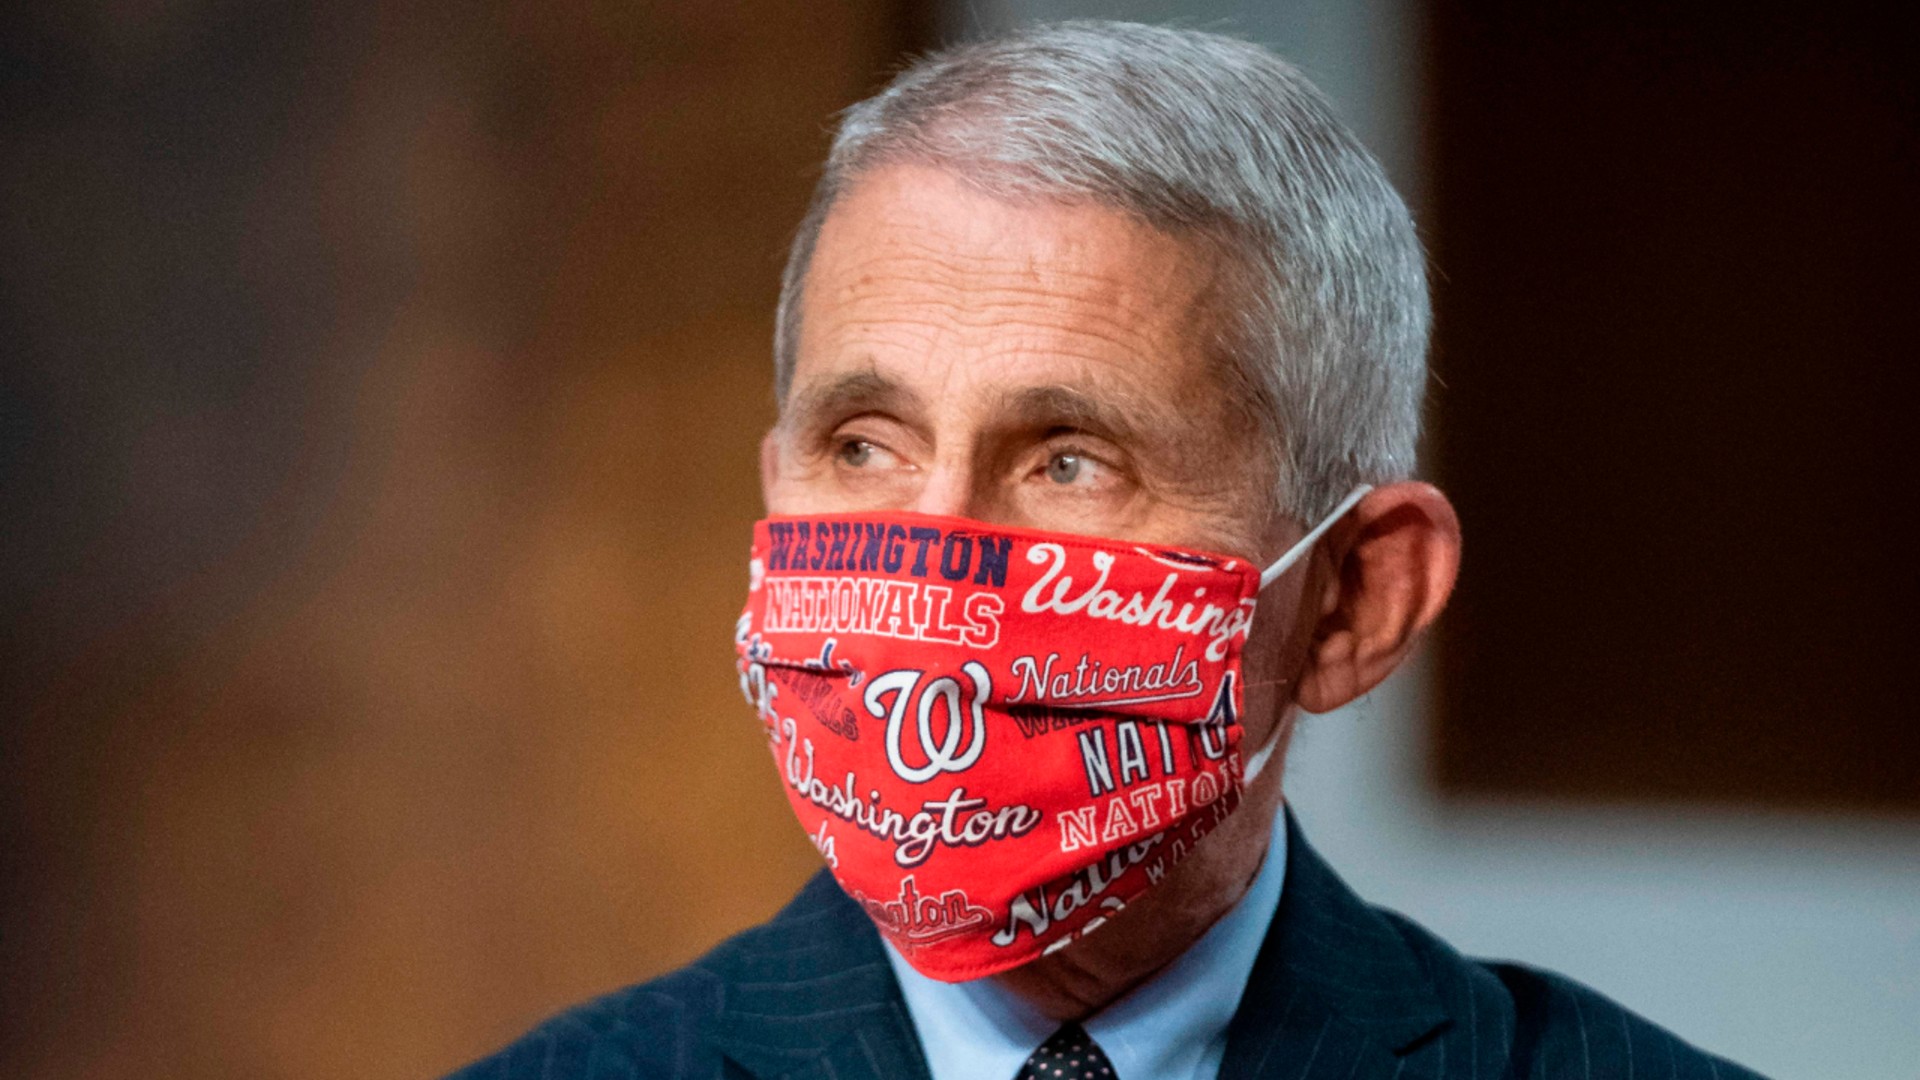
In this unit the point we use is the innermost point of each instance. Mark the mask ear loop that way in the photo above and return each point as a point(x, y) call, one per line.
point(1285, 562)
point(1258, 761)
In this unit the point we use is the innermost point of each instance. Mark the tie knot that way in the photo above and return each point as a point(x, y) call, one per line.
point(1068, 1054)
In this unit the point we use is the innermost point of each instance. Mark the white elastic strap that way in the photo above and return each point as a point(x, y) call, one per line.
point(1259, 759)
point(1272, 574)
point(1285, 562)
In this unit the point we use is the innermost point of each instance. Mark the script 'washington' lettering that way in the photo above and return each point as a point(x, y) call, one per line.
point(954, 821)
point(918, 920)
point(1216, 623)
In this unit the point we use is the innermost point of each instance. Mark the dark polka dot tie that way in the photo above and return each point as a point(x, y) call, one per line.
point(1070, 1054)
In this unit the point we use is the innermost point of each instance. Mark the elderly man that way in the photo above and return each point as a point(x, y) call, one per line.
point(1100, 358)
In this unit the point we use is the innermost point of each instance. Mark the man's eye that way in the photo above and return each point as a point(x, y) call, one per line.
point(1067, 468)
point(856, 452)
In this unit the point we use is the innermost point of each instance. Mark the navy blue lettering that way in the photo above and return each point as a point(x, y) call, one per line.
point(870, 551)
point(954, 566)
point(895, 550)
point(1133, 752)
point(782, 533)
point(1093, 755)
point(1211, 733)
point(993, 560)
point(923, 536)
point(837, 554)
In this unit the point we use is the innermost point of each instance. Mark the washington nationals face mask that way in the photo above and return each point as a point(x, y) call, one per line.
point(998, 737)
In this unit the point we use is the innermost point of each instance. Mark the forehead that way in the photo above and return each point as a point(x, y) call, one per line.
point(920, 278)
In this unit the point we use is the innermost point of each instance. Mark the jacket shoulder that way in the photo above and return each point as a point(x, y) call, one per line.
point(1514, 1020)
point(652, 1029)
point(658, 1028)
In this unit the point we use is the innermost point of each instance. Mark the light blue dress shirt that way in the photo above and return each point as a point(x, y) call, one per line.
point(1171, 1027)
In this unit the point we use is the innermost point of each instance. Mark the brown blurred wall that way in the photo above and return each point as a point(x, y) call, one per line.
point(382, 387)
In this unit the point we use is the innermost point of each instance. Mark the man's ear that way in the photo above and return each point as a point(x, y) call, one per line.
point(1394, 563)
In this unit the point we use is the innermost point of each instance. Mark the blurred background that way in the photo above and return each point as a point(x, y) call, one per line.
point(378, 409)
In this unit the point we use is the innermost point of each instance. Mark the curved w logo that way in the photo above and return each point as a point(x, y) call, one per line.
point(962, 730)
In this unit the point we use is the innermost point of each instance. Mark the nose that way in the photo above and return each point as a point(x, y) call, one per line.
point(952, 488)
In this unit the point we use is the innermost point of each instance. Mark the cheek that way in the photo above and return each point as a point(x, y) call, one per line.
point(1275, 652)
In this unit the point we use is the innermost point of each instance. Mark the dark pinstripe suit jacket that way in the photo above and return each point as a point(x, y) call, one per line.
point(1340, 991)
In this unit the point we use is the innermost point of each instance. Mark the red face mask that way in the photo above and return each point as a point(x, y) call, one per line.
point(997, 737)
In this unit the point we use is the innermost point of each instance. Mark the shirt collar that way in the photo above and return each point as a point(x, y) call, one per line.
point(1173, 1025)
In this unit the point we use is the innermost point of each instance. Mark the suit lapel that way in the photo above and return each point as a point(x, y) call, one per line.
point(811, 997)
point(1335, 992)
point(883, 1048)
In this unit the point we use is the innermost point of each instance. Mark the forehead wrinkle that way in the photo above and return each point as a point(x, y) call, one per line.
point(1028, 326)
point(919, 255)
point(974, 291)
point(1026, 321)
point(995, 273)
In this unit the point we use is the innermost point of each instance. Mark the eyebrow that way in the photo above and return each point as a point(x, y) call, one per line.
point(846, 394)
point(1160, 437)
point(1131, 421)
point(1127, 423)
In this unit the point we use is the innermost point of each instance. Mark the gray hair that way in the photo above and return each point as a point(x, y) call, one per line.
point(1206, 137)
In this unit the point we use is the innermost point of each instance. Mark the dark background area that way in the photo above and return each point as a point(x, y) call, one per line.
point(379, 388)
point(1676, 392)
point(378, 420)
